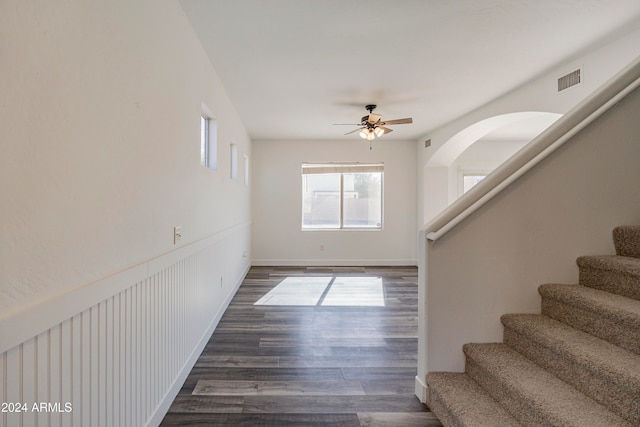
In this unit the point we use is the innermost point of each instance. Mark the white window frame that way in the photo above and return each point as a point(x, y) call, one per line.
point(233, 161)
point(343, 168)
point(246, 170)
point(208, 139)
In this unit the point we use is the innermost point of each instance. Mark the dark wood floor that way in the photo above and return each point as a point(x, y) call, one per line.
point(313, 365)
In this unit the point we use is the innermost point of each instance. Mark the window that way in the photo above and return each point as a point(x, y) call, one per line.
point(470, 180)
point(342, 196)
point(208, 140)
point(246, 170)
point(204, 141)
point(233, 161)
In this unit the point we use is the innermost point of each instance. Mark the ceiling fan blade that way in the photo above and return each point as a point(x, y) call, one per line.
point(347, 124)
point(373, 118)
point(385, 130)
point(353, 131)
point(397, 121)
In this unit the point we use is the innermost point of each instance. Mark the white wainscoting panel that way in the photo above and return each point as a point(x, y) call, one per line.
point(120, 362)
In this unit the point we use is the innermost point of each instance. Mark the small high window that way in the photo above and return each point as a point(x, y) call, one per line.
point(246, 170)
point(208, 140)
point(233, 160)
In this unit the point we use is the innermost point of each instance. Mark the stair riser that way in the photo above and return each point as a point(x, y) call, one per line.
point(621, 398)
point(514, 404)
point(626, 240)
point(458, 401)
point(610, 281)
point(611, 330)
point(438, 407)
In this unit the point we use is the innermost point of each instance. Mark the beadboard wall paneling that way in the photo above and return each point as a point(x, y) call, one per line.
point(121, 361)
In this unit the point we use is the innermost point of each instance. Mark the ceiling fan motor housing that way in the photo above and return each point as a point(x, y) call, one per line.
point(365, 119)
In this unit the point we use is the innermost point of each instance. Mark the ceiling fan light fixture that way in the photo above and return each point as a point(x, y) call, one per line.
point(372, 126)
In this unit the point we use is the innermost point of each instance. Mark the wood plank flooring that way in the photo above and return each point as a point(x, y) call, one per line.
point(334, 361)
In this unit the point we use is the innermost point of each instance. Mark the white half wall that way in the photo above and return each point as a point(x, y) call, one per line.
point(100, 106)
point(277, 205)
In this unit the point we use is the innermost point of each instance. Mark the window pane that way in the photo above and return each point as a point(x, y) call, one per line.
point(321, 201)
point(233, 161)
point(469, 181)
point(362, 200)
point(204, 141)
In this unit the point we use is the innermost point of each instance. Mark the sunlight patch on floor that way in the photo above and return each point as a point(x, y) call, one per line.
point(327, 291)
point(355, 291)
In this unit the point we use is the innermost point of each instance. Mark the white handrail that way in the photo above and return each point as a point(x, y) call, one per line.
point(576, 119)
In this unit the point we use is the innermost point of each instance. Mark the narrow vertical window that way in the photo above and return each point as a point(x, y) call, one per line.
point(233, 160)
point(208, 139)
point(246, 170)
point(204, 141)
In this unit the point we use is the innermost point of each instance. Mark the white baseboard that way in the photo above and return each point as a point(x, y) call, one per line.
point(421, 390)
point(333, 262)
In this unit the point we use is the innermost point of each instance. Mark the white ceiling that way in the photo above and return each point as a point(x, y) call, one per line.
point(292, 68)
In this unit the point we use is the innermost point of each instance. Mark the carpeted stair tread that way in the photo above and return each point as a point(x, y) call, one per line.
point(626, 240)
point(612, 273)
point(458, 401)
point(608, 316)
point(604, 372)
point(624, 264)
point(531, 394)
point(576, 364)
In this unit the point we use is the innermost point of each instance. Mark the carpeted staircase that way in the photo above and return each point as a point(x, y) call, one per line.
point(576, 364)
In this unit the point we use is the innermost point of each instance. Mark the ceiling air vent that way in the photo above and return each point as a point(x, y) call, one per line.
point(568, 80)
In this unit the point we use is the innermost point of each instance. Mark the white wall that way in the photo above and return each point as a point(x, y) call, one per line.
point(540, 95)
point(277, 205)
point(100, 105)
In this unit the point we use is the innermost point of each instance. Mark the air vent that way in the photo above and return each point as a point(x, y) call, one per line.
point(571, 79)
point(427, 143)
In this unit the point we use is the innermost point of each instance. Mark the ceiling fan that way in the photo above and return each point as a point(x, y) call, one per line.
point(372, 126)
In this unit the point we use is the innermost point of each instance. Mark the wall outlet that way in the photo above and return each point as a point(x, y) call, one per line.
point(177, 234)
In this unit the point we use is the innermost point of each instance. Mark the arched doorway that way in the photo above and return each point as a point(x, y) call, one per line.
point(474, 152)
